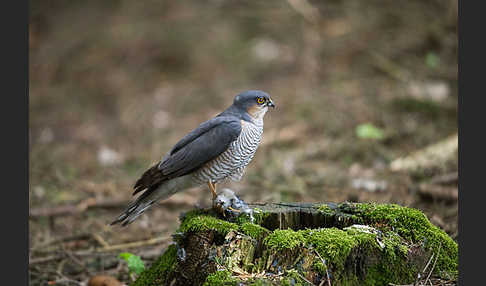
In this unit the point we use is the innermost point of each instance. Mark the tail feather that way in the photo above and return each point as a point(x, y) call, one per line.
point(149, 179)
point(149, 182)
point(134, 210)
point(150, 196)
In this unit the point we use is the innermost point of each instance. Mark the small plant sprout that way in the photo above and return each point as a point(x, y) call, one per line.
point(134, 263)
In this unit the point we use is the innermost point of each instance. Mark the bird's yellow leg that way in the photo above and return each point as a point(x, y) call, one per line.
point(212, 188)
point(234, 210)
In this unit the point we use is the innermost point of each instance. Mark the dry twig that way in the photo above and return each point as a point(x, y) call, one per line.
point(438, 192)
point(101, 250)
point(445, 179)
point(433, 266)
point(73, 209)
point(135, 244)
point(100, 240)
point(81, 236)
point(425, 268)
point(306, 10)
point(91, 203)
point(327, 271)
point(303, 278)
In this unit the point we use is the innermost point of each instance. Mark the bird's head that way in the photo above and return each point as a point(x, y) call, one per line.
point(254, 102)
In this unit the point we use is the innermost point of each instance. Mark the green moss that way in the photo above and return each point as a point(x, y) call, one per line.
point(334, 245)
point(319, 267)
point(259, 216)
point(258, 282)
point(391, 267)
point(284, 239)
point(293, 278)
point(254, 230)
point(410, 224)
point(341, 212)
point(413, 225)
point(243, 218)
point(394, 228)
point(327, 210)
point(386, 233)
point(394, 245)
point(195, 221)
point(366, 240)
point(157, 274)
point(385, 272)
point(200, 221)
point(220, 278)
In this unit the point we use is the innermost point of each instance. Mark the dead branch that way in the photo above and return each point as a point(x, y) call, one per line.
point(306, 10)
point(135, 244)
point(445, 179)
point(45, 259)
point(433, 266)
point(81, 236)
point(303, 278)
point(90, 204)
point(434, 156)
point(73, 209)
point(327, 271)
point(438, 192)
point(100, 240)
point(96, 251)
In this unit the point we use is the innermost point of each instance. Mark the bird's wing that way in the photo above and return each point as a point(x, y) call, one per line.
point(195, 149)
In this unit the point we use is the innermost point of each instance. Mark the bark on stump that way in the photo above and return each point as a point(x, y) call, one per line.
point(305, 244)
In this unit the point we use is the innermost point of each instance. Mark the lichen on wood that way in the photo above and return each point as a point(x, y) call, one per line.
point(304, 244)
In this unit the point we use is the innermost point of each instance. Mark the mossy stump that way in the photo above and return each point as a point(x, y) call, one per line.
point(306, 244)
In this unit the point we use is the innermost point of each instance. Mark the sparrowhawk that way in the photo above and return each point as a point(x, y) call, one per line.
point(217, 149)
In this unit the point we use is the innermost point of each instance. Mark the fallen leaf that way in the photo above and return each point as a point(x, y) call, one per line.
point(104, 280)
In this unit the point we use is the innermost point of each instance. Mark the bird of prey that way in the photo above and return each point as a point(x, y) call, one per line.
point(217, 149)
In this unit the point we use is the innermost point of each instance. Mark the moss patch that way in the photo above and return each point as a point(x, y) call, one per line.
point(369, 244)
point(254, 230)
point(327, 210)
point(157, 274)
point(220, 278)
point(284, 239)
point(340, 213)
point(257, 217)
point(413, 225)
point(257, 282)
point(293, 278)
point(196, 221)
point(332, 244)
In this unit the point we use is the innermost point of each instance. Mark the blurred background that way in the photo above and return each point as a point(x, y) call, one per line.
point(366, 96)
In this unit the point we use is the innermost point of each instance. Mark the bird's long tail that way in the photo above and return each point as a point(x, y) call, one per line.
point(135, 209)
point(150, 196)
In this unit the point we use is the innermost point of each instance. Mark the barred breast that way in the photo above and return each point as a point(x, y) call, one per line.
point(232, 162)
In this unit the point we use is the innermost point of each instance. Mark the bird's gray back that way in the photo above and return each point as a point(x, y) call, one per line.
point(232, 162)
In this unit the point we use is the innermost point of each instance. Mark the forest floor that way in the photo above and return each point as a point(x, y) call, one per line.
point(113, 85)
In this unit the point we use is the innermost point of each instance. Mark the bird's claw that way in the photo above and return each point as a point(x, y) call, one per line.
point(219, 208)
point(230, 206)
point(233, 209)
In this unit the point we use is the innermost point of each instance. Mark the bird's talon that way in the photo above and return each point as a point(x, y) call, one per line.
point(219, 209)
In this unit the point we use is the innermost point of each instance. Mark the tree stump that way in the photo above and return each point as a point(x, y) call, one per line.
point(306, 244)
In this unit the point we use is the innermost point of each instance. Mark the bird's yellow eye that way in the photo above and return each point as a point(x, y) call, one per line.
point(260, 100)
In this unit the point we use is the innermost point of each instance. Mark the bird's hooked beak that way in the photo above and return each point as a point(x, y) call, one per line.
point(270, 103)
